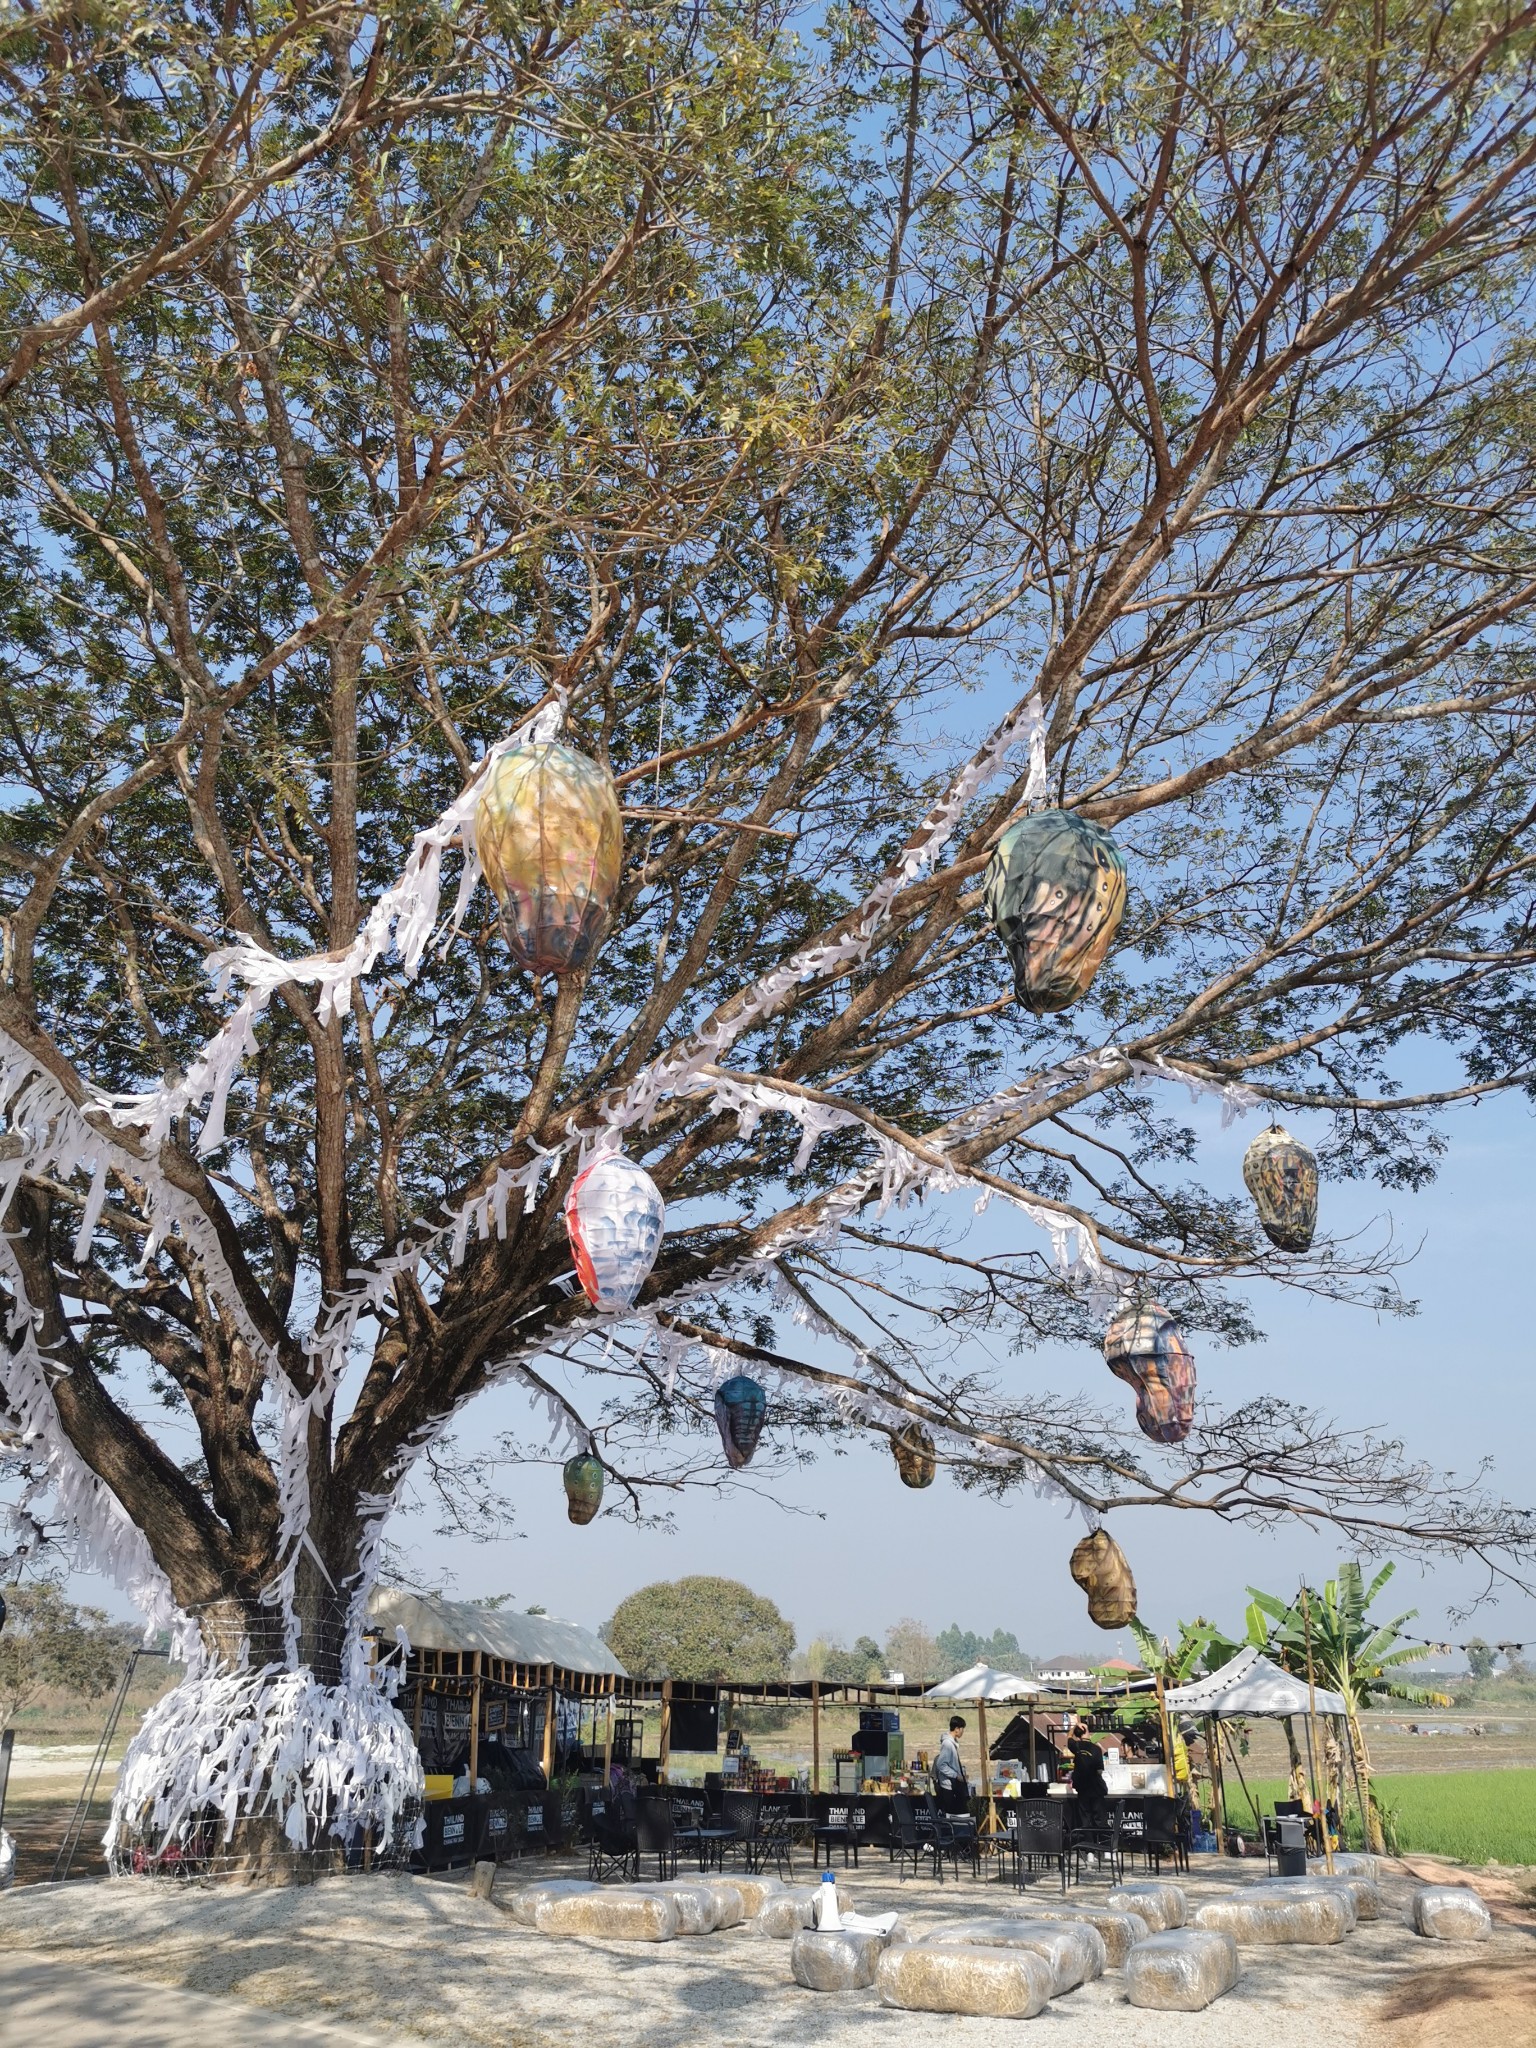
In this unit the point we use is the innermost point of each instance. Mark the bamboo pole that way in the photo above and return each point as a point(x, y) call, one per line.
point(986, 1767)
point(608, 1748)
point(1218, 1800)
point(474, 1724)
point(1167, 1731)
point(815, 1734)
point(1306, 1617)
point(549, 1728)
point(666, 1730)
point(1032, 1778)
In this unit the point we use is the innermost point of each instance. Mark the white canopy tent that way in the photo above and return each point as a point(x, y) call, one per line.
point(976, 1686)
point(1250, 1687)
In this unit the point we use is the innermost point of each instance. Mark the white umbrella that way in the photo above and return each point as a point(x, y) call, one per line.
point(981, 1683)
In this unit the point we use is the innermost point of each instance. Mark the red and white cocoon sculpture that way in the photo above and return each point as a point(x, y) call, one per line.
point(614, 1217)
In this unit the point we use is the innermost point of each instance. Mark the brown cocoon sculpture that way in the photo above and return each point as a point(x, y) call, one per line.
point(1100, 1568)
point(915, 1460)
point(1281, 1174)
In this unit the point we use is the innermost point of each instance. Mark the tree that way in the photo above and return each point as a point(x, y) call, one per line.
point(1480, 1659)
point(837, 1665)
point(700, 1628)
point(851, 441)
point(959, 1648)
point(49, 1644)
point(911, 1650)
point(1350, 1655)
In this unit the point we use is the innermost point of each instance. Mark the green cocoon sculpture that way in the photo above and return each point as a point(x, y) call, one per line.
point(1281, 1174)
point(1055, 892)
point(550, 837)
point(583, 1488)
point(915, 1459)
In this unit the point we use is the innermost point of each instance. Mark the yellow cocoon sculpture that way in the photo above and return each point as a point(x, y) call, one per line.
point(583, 1488)
point(1099, 1566)
point(614, 1218)
point(550, 837)
point(1145, 1347)
point(1281, 1174)
point(1055, 892)
point(914, 1453)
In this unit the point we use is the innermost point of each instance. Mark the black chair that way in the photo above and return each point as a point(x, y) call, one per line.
point(1164, 1836)
point(656, 1835)
point(1099, 1846)
point(912, 1837)
point(834, 1832)
point(1040, 1836)
point(741, 1814)
point(615, 1847)
point(773, 1842)
point(955, 1834)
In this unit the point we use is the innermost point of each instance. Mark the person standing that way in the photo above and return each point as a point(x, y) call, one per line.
point(951, 1786)
point(1087, 1777)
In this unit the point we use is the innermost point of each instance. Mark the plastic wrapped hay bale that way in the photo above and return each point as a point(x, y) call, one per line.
point(1183, 1970)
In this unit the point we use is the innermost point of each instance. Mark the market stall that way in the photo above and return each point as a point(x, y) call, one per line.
point(497, 1703)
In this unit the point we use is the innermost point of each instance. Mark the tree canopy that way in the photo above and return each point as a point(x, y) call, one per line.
point(784, 407)
point(700, 1628)
point(52, 1644)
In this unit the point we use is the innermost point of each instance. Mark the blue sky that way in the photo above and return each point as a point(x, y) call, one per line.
point(847, 1549)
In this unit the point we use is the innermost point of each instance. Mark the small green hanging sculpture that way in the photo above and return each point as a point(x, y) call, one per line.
point(583, 1488)
point(1055, 892)
point(550, 836)
point(1100, 1567)
point(1281, 1174)
point(915, 1457)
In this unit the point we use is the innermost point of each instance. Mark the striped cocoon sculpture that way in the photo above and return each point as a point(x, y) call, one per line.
point(614, 1218)
point(1281, 1174)
point(914, 1454)
point(1055, 892)
point(1099, 1566)
point(740, 1406)
point(550, 837)
point(1145, 1347)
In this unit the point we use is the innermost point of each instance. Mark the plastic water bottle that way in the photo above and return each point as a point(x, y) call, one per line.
point(828, 1919)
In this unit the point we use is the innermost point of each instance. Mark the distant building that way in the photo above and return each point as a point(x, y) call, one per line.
point(1065, 1671)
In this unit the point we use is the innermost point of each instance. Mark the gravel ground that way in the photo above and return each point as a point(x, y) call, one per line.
point(419, 1959)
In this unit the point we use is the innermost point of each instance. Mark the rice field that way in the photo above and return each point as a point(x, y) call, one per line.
point(1475, 1816)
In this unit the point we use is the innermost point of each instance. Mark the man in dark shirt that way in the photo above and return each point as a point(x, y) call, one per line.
point(1087, 1777)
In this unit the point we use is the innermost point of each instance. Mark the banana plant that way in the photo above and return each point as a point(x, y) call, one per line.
point(1351, 1655)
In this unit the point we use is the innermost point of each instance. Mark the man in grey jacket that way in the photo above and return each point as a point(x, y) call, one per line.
point(951, 1788)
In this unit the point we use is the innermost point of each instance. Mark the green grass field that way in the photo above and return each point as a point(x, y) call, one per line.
point(1475, 1816)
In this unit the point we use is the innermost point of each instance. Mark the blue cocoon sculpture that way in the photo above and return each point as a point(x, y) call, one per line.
point(740, 1405)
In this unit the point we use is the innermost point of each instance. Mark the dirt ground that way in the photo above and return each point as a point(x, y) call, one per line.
point(416, 1959)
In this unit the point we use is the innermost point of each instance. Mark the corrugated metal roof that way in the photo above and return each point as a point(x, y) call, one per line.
point(436, 1624)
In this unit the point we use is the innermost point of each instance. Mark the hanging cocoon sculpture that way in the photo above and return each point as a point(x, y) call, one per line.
point(1145, 1347)
point(1281, 1174)
point(614, 1217)
point(915, 1457)
point(550, 837)
point(1055, 892)
point(740, 1405)
point(583, 1488)
point(1099, 1566)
